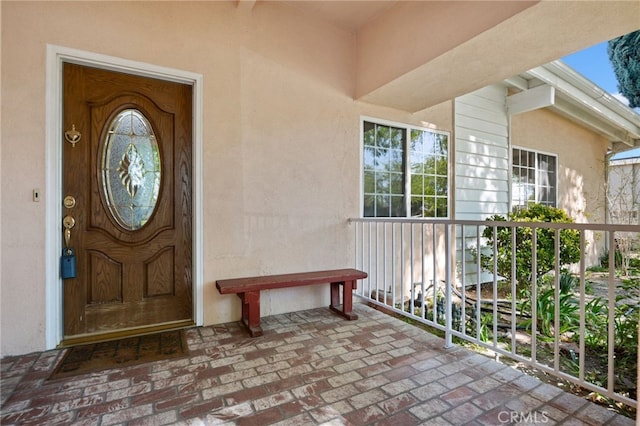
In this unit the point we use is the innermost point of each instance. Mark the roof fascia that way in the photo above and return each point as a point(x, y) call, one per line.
point(589, 97)
point(610, 130)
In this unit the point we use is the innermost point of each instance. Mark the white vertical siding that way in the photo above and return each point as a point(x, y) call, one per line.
point(481, 154)
point(481, 169)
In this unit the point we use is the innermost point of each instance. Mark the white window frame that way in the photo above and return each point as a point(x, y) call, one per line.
point(407, 164)
point(515, 202)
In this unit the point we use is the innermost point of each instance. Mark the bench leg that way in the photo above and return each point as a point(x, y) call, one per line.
point(251, 312)
point(347, 299)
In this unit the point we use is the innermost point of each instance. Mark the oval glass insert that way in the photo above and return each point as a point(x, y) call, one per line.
point(130, 169)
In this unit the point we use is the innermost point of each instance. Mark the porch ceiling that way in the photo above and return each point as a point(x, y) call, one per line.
point(415, 54)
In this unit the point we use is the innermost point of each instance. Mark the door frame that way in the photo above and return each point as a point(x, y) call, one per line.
point(56, 56)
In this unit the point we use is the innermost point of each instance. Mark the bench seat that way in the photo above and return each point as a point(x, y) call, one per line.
point(248, 290)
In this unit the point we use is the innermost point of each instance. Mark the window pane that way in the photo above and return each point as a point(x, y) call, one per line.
point(442, 166)
point(384, 168)
point(396, 137)
point(516, 157)
point(369, 134)
point(417, 165)
point(417, 184)
point(534, 178)
point(416, 206)
point(383, 183)
point(397, 184)
point(369, 182)
point(442, 142)
point(382, 159)
point(434, 178)
point(429, 187)
point(383, 137)
point(369, 205)
point(416, 141)
point(441, 207)
point(516, 175)
point(530, 193)
point(396, 163)
point(428, 207)
point(383, 206)
point(441, 186)
point(429, 166)
point(369, 158)
point(397, 206)
point(428, 143)
point(552, 164)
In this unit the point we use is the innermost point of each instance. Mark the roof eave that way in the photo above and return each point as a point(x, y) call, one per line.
point(587, 103)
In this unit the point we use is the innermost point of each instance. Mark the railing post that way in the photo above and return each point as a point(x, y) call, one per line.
point(382, 251)
point(612, 318)
point(447, 287)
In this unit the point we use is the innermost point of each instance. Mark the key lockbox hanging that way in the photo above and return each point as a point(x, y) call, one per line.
point(68, 263)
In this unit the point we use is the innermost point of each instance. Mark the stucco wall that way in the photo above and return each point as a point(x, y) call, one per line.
point(581, 159)
point(281, 140)
point(581, 167)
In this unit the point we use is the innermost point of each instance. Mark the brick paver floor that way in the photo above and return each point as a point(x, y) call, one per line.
point(309, 368)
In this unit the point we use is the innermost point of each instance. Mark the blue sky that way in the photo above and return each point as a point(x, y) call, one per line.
point(594, 64)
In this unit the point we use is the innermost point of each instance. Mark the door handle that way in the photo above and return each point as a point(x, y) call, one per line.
point(68, 222)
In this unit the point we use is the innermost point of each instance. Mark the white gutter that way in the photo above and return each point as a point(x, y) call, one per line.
point(590, 98)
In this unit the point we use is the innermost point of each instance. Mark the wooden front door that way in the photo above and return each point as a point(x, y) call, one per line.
point(127, 189)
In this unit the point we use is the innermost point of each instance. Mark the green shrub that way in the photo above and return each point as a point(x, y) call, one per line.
point(569, 319)
point(604, 259)
point(569, 243)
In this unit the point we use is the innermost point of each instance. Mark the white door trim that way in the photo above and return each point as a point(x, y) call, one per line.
point(56, 56)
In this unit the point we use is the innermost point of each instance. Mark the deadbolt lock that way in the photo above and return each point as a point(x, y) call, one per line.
point(69, 202)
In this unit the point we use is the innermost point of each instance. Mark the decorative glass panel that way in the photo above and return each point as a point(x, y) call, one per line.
point(131, 169)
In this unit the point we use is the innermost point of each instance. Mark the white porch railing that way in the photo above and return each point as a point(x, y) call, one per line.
point(443, 274)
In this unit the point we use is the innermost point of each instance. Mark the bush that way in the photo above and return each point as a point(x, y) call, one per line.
point(604, 259)
point(569, 243)
point(546, 305)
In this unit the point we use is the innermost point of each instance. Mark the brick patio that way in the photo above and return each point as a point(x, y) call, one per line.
point(310, 368)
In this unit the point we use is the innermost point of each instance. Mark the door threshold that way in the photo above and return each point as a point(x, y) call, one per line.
point(119, 334)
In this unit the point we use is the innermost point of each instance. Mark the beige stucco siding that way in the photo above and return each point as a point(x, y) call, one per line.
point(581, 167)
point(281, 150)
point(280, 131)
point(581, 160)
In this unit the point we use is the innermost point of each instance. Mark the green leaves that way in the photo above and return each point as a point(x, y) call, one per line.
point(545, 243)
point(624, 53)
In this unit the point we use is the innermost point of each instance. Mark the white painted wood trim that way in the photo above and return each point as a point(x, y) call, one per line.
point(532, 99)
point(56, 56)
point(602, 108)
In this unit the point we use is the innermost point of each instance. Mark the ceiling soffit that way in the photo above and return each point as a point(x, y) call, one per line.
point(538, 34)
point(412, 34)
point(349, 15)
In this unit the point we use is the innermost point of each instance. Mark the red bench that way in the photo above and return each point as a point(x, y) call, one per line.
point(248, 290)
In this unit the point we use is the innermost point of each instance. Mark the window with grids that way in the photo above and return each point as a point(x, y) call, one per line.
point(534, 179)
point(405, 171)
